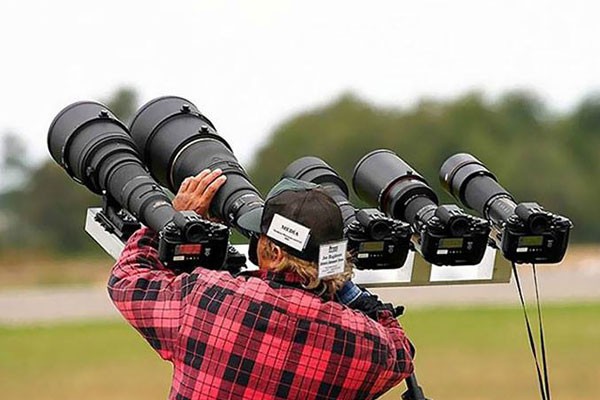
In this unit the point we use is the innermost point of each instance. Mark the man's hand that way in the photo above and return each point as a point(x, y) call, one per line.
point(349, 293)
point(196, 192)
point(358, 299)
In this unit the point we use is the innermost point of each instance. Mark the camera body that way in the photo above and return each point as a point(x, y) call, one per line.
point(533, 235)
point(525, 232)
point(443, 234)
point(376, 241)
point(450, 236)
point(189, 241)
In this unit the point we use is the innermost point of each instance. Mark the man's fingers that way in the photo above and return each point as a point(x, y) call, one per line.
point(207, 196)
point(202, 173)
point(197, 192)
point(196, 180)
point(184, 185)
point(214, 186)
point(206, 181)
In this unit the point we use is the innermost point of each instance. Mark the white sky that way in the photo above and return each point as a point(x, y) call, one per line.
point(250, 64)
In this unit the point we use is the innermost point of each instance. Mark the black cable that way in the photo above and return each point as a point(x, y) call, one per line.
point(543, 346)
point(529, 333)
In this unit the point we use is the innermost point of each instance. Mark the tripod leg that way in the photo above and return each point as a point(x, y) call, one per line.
point(414, 391)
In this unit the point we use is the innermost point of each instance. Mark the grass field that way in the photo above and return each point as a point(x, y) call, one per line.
point(478, 353)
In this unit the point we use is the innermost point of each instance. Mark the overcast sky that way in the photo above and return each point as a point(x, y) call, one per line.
point(248, 65)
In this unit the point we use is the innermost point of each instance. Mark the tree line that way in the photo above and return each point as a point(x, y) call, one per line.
point(537, 154)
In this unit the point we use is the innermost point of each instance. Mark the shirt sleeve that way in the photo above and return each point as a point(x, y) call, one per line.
point(147, 294)
point(403, 351)
point(401, 358)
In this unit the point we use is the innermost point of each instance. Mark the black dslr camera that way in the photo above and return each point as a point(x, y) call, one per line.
point(526, 233)
point(448, 236)
point(188, 241)
point(376, 241)
point(533, 234)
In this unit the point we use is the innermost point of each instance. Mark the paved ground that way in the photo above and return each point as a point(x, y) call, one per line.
point(576, 280)
point(556, 285)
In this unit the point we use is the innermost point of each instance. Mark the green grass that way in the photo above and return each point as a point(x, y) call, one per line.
point(477, 353)
point(92, 361)
point(484, 353)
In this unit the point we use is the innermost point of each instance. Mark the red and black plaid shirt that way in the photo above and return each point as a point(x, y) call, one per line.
point(254, 337)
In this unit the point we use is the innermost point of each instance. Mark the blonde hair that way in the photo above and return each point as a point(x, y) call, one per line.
point(308, 271)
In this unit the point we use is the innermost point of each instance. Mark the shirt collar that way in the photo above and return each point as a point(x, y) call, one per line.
point(286, 277)
point(290, 279)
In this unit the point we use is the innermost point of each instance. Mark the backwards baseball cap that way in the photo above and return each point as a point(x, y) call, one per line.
point(301, 218)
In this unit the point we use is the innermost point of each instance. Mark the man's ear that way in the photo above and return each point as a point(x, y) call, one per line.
point(277, 255)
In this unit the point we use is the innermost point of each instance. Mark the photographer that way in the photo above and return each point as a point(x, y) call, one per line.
point(273, 333)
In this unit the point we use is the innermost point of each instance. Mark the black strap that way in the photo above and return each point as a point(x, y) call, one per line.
point(542, 342)
point(543, 384)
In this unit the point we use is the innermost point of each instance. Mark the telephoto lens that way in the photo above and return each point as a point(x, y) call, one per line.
point(444, 234)
point(176, 141)
point(374, 240)
point(526, 233)
point(95, 149)
point(317, 171)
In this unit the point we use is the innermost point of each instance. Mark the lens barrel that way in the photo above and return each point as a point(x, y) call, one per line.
point(382, 178)
point(315, 170)
point(469, 181)
point(177, 141)
point(94, 148)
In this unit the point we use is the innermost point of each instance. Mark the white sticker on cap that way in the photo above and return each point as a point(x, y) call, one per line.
point(332, 258)
point(288, 232)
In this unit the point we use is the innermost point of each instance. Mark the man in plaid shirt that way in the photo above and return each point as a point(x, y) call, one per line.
point(294, 329)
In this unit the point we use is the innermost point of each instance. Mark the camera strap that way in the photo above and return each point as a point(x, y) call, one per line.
point(543, 383)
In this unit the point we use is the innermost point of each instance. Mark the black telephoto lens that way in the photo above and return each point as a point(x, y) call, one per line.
point(468, 180)
point(384, 179)
point(95, 149)
point(177, 141)
point(315, 170)
point(528, 233)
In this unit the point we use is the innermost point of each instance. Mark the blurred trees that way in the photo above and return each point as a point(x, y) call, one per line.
point(48, 211)
point(13, 161)
point(124, 103)
point(537, 155)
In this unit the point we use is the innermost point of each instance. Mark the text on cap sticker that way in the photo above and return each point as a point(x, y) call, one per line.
point(288, 232)
point(332, 258)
